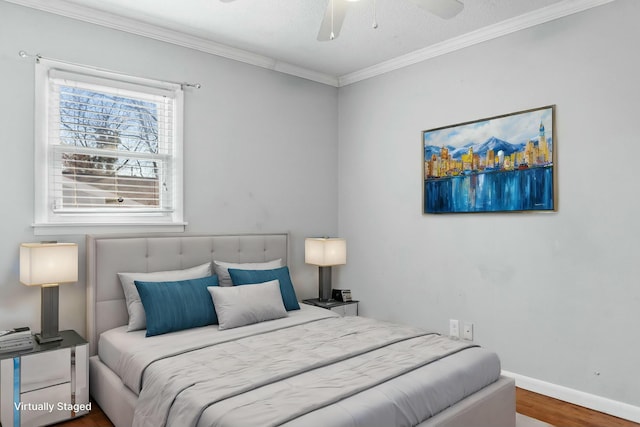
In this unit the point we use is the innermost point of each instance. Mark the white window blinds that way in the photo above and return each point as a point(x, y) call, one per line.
point(111, 147)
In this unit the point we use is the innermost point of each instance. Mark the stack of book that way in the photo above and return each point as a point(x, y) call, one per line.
point(17, 339)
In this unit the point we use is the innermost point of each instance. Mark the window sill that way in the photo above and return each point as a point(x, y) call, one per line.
point(103, 228)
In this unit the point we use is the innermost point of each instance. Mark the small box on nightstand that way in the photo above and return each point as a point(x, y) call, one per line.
point(343, 295)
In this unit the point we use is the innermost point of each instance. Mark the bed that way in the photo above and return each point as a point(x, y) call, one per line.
point(277, 372)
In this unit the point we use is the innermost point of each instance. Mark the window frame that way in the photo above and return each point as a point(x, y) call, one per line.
point(46, 219)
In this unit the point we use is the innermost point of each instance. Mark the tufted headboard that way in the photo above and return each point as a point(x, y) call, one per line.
point(109, 255)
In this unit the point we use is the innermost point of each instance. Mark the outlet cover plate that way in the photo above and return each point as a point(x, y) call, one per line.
point(467, 331)
point(454, 328)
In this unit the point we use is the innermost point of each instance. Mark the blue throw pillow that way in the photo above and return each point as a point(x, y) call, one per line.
point(178, 305)
point(250, 277)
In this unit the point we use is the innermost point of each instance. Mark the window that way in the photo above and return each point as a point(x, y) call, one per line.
point(108, 151)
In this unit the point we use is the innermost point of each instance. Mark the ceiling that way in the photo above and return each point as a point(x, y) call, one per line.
point(281, 34)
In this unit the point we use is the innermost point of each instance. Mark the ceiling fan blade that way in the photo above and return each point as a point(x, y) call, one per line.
point(445, 9)
point(339, 12)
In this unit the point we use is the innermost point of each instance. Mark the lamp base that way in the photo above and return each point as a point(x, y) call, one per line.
point(45, 340)
point(324, 283)
point(49, 316)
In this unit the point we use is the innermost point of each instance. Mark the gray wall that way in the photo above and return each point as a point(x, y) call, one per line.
point(556, 295)
point(260, 147)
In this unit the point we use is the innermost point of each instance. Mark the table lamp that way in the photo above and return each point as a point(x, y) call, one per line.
point(48, 265)
point(325, 252)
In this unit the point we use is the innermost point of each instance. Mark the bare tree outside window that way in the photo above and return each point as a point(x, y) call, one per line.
point(109, 145)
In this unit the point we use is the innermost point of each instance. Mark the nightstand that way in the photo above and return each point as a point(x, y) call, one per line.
point(46, 384)
point(343, 308)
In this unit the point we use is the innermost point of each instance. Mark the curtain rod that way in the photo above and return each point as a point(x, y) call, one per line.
point(37, 57)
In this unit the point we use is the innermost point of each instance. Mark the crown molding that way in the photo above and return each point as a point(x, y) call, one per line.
point(105, 19)
point(540, 16)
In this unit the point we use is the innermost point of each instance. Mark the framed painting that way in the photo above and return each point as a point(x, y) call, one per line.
point(498, 164)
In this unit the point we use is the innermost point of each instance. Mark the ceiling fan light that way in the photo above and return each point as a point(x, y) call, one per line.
point(445, 9)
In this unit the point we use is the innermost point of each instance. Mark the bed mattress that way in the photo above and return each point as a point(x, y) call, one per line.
point(405, 399)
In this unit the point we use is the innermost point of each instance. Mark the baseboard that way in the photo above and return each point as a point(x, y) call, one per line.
point(587, 400)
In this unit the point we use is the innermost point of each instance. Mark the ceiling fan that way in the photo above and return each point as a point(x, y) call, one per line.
point(337, 9)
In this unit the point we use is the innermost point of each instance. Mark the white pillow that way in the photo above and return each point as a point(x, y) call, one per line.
point(222, 268)
point(247, 304)
point(137, 318)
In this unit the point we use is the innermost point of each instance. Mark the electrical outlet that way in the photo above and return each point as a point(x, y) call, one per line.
point(454, 328)
point(467, 331)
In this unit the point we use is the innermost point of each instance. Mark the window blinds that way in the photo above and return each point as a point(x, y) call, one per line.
point(111, 145)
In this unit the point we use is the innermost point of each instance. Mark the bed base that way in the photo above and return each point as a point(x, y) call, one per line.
point(493, 406)
point(107, 390)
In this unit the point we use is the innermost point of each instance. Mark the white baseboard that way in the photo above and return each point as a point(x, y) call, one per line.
point(591, 401)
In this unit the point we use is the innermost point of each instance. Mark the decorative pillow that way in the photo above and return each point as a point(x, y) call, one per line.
point(178, 305)
point(249, 277)
point(222, 268)
point(134, 306)
point(244, 305)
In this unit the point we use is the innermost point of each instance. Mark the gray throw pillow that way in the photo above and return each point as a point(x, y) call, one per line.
point(244, 305)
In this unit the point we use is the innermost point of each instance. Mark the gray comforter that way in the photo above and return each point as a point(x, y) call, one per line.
point(271, 378)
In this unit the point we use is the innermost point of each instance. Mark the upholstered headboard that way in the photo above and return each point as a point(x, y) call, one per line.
point(109, 255)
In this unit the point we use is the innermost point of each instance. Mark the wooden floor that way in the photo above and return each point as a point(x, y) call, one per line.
point(552, 411)
point(562, 414)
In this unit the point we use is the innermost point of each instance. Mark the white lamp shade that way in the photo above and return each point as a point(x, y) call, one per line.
point(48, 263)
point(325, 251)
